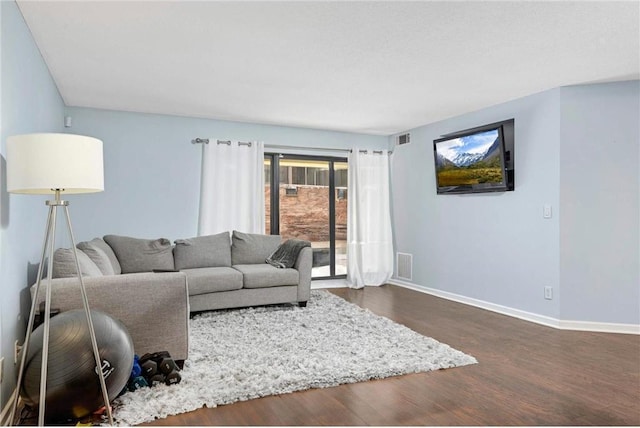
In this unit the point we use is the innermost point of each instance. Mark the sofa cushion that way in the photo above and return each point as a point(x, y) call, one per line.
point(102, 255)
point(264, 275)
point(203, 251)
point(212, 279)
point(64, 264)
point(141, 255)
point(250, 248)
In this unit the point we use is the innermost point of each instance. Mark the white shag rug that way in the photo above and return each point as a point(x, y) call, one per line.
point(241, 354)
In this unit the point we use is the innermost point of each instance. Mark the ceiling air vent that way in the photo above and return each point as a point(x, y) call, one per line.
point(403, 139)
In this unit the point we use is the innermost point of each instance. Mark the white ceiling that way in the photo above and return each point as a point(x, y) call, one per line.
point(367, 67)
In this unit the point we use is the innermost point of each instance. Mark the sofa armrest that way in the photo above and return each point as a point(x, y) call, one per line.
point(303, 266)
point(154, 307)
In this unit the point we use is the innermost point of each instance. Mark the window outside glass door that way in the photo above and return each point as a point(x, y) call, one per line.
point(309, 202)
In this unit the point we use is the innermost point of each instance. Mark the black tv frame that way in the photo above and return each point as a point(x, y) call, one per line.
point(508, 141)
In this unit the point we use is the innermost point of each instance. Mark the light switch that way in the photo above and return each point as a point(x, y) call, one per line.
point(546, 211)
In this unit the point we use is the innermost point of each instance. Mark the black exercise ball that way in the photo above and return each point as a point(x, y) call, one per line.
point(73, 385)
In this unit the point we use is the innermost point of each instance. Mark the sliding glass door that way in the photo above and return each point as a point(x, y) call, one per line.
point(306, 198)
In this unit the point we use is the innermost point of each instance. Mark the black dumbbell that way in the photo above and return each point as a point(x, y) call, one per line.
point(148, 365)
point(159, 367)
point(156, 379)
point(149, 368)
point(167, 365)
point(172, 378)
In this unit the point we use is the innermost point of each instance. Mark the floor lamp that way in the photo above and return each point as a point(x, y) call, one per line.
point(54, 164)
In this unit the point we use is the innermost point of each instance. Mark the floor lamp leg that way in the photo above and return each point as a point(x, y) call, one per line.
point(85, 303)
point(32, 313)
point(47, 320)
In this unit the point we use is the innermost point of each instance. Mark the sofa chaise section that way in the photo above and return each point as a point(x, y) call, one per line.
point(153, 307)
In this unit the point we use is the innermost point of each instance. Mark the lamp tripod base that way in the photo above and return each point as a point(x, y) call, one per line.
point(49, 243)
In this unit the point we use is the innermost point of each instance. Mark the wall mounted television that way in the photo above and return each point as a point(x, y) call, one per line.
point(476, 160)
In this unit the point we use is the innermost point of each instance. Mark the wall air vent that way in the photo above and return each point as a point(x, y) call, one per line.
point(403, 139)
point(404, 265)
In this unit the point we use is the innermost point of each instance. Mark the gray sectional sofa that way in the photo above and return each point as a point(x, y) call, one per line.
point(153, 286)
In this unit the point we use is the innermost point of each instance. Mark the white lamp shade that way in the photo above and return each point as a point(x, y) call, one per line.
point(43, 163)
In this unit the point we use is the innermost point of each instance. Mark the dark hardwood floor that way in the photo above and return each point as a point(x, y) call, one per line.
point(527, 375)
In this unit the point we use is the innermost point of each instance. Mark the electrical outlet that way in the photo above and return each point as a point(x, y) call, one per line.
point(16, 351)
point(548, 293)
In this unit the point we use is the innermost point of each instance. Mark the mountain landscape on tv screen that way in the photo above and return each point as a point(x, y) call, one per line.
point(464, 161)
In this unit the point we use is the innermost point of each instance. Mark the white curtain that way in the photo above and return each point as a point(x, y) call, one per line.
point(232, 187)
point(369, 237)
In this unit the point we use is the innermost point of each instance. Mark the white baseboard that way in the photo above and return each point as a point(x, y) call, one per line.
point(601, 327)
point(328, 283)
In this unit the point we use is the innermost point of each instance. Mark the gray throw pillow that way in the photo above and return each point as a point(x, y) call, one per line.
point(141, 255)
point(102, 255)
point(203, 251)
point(252, 248)
point(64, 264)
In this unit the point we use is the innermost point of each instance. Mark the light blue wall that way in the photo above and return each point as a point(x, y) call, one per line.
point(492, 247)
point(599, 193)
point(152, 171)
point(577, 150)
point(30, 103)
